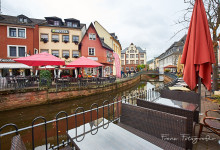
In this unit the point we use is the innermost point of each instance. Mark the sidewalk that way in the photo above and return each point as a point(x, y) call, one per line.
point(210, 144)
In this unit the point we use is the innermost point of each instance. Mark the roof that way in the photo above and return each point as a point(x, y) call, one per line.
point(15, 20)
point(138, 48)
point(178, 44)
point(101, 40)
point(111, 34)
point(170, 66)
point(150, 61)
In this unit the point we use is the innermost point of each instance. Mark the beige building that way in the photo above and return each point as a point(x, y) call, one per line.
point(110, 39)
point(131, 57)
point(60, 38)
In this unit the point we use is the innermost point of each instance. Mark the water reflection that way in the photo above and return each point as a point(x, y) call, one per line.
point(23, 117)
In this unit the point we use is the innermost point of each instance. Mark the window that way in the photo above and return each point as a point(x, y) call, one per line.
point(66, 53)
point(136, 61)
point(23, 20)
point(122, 69)
point(44, 37)
point(127, 62)
point(122, 56)
point(132, 62)
point(142, 62)
point(132, 55)
point(135, 51)
point(21, 51)
point(127, 56)
point(132, 68)
point(44, 50)
point(21, 33)
point(12, 32)
point(12, 51)
point(74, 24)
point(75, 53)
point(55, 37)
point(92, 36)
point(55, 53)
point(65, 38)
point(127, 68)
point(56, 23)
point(122, 62)
point(131, 51)
point(142, 55)
point(91, 71)
point(69, 24)
point(136, 55)
point(75, 38)
point(91, 51)
point(16, 51)
point(16, 32)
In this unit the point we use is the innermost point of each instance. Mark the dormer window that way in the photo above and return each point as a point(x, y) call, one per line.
point(23, 20)
point(74, 24)
point(56, 23)
point(69, 24)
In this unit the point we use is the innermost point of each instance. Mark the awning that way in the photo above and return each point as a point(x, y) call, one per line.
point(14, 66)
point(170, 66)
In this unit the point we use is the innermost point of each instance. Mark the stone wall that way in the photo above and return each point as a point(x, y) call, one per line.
point(32, 97)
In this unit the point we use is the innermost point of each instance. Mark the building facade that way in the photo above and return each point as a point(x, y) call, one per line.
point(19, 38)
point(112, 41)
point(61, 39)
point(94, 47)
point(170, 57)
point(131, 57)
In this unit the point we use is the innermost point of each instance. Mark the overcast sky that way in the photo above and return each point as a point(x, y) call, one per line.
point(147, 23)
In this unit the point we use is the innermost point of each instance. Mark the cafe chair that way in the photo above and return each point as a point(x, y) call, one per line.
point(211, 123)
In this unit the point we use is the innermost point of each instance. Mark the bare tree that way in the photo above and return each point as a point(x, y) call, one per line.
point(212, 8)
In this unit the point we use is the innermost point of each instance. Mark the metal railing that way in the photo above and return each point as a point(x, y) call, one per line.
point(81, 117)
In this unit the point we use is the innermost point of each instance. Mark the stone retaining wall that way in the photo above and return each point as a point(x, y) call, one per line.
point(32, 97)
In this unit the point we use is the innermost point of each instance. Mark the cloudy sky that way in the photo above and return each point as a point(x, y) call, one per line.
point(149, 24)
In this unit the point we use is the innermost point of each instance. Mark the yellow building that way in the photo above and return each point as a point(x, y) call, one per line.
point(60, 38)
point(110, 39)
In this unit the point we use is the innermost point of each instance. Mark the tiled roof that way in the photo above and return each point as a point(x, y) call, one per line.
point(15, 20)
point(105, 45)
point(150, 61)
point(138, 48)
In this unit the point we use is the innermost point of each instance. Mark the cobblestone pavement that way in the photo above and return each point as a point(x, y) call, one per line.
point(203, 144)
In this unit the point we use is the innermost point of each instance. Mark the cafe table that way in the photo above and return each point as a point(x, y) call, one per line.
point(107, 136)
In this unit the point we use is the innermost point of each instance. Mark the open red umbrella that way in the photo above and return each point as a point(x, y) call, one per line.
point(198, 55)
point(84, 63)
point(42, 59)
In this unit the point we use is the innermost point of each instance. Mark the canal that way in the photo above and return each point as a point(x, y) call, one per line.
point(23, 117)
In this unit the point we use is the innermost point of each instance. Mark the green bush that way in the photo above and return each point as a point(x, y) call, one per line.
point(167, 70)
point(45, 78)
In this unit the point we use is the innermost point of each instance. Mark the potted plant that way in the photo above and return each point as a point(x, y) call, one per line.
point(76, 42)
point(66, 41)
point(45, 40)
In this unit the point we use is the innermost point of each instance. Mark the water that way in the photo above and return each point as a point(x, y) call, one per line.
point(23, 117)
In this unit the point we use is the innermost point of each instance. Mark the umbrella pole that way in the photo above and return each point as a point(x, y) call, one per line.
point(199, 92)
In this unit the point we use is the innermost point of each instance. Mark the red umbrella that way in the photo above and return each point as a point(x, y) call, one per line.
point(198, 55)
point(42, 59)
point(84, 63)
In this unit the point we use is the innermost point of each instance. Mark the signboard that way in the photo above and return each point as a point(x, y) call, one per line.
point(59, 31)
point(7, 60)
point(93, 58)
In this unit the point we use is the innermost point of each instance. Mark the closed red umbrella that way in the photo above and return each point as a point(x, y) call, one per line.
point(42, 59)
point(198, 55)
point(84, 63)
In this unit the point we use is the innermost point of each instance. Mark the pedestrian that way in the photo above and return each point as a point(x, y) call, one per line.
point(129, 73)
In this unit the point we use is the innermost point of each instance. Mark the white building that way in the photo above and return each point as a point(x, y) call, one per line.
point(170, 57)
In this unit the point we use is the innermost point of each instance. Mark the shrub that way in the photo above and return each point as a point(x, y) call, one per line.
point(167, 70)
point(45, 77)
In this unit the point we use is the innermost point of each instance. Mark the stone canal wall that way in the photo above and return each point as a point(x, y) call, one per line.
point(31, 97)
